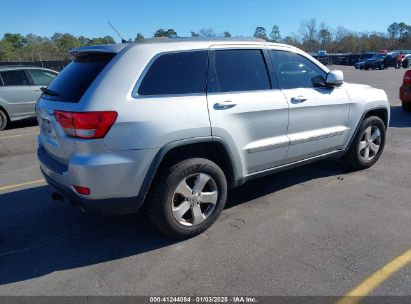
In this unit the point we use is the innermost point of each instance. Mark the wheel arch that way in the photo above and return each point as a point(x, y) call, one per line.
point(212, 148)
point(381, 112)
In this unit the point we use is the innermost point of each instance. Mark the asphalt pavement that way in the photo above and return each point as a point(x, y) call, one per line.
point(315, 230)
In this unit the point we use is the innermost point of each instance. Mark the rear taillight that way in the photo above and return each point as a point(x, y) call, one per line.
point(86, 125)
point(407, 77)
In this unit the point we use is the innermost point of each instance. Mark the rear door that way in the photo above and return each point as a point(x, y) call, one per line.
point(17, 93)
point(318, 116)
point(246, 107)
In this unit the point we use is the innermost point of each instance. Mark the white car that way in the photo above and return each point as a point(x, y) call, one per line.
point(174, 123)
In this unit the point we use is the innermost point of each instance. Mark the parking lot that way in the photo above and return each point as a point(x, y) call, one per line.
point(316, 230)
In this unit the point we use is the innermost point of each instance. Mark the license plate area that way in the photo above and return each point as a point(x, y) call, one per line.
point(46, 122)
point(45, 126)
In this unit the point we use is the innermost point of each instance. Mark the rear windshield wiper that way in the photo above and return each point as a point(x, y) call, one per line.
point(49, 92)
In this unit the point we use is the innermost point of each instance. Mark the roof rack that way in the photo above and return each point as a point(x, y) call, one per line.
point(175, 39)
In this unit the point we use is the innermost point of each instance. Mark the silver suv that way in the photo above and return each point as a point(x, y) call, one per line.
point(19, 91)
point(174, 123)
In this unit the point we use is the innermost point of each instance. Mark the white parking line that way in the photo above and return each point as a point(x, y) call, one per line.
point(19, 135)
point(22, 184)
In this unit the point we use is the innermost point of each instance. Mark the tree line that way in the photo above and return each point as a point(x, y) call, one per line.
point(311, 36)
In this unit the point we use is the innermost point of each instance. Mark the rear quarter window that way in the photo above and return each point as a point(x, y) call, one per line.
point(76, 77)
point(175, 74)
point(42, 77)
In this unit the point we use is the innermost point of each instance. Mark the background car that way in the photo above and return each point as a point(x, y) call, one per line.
point(383, 61)
point(322, 56)
point(405, 92)
point(19, 91)
point(362, 59)
point(375, 62)
point(407, 61)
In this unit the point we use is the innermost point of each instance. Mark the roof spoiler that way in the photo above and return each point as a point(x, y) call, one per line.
point(104, 48)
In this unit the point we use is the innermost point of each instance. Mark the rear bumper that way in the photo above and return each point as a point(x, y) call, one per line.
point(114, 178)
point(114, 206)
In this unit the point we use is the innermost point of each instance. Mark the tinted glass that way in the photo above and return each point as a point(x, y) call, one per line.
point(176, 73)
point(41, 77)
point(14, 78)
point(76, 77)
point(238, 70)
point(296, 71)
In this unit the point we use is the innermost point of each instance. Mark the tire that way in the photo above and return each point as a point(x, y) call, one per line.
point(366, 69)
point(173, 211)
point(382, 66)
point(356, 157)
point(406, 106)
point(4, 120)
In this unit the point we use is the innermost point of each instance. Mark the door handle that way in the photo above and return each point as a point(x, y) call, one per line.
point(225, 105)
point(298, 99)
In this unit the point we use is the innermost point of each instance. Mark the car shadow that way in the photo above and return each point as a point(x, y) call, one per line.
point(39, 236)
point(400, 118)
point(23, 123)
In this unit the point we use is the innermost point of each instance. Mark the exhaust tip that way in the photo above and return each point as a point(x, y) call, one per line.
point(57, 197)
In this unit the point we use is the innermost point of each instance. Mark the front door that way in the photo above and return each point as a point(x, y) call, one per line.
point(318, 117)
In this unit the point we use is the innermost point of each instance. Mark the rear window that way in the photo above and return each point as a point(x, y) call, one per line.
point(76, 78)
point(176, 73)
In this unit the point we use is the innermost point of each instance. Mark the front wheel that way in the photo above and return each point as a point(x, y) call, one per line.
point(406, 106)
point(188, 198)
point(367, 145)
point(382, 66)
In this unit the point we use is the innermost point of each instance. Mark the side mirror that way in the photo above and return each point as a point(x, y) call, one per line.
point(335, 78)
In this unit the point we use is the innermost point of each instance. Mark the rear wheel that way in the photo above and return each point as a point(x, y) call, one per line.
point(367, 145)
point(4, 120)
point(406, 106)
point(188, 198)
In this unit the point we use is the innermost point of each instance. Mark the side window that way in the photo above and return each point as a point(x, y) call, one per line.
point(238, 70)
point(41, 77)
point(295, 71)
point(14, 78)
point(176, 73)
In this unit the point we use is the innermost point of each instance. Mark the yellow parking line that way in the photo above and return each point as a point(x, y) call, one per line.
point(376, 279)
point(18, 135)
point(21, 184)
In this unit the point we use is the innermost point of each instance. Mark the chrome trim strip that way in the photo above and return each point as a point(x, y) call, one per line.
point(267, 144)
point(304, 137)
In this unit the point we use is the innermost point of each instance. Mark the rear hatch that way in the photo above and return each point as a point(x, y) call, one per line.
point(64, 94)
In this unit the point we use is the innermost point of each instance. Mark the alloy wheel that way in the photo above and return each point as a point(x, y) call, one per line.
point(370, 143)
point(194, 199)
